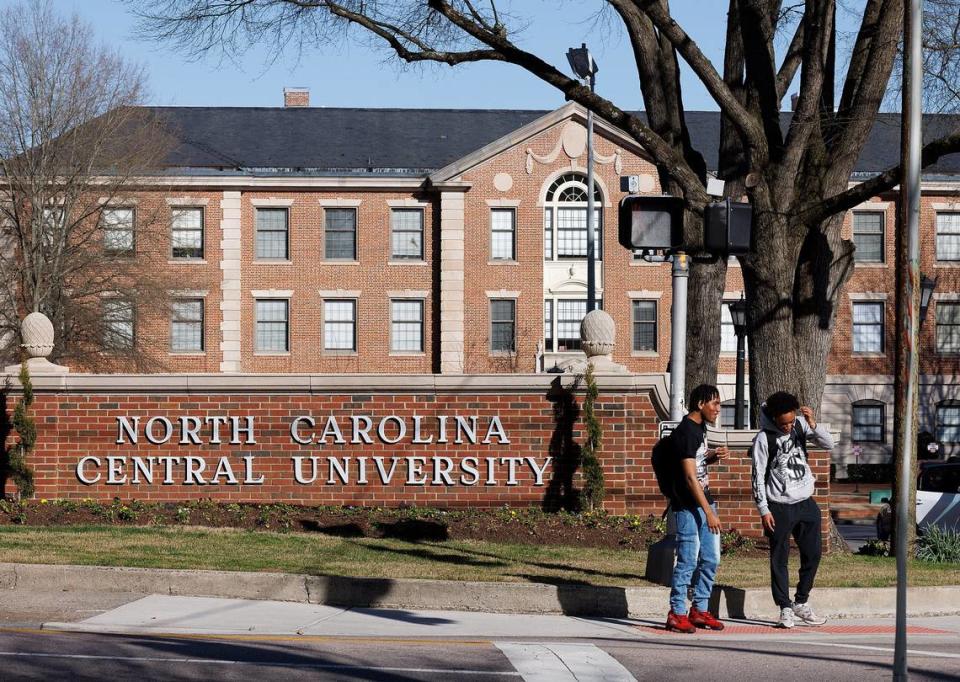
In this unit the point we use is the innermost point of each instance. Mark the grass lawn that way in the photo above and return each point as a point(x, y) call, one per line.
point(318, 554)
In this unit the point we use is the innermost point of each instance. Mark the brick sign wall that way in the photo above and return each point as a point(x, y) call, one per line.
point(477, 441)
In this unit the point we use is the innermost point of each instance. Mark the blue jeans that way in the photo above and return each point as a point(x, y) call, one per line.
point(698, 556)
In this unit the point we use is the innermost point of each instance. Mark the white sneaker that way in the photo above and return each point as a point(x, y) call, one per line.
point(807, 616)
point(786, 618)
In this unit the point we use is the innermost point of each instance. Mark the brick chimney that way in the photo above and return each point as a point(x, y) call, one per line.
point(296, 97)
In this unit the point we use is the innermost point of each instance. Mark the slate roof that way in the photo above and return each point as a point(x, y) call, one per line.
point(415, 142)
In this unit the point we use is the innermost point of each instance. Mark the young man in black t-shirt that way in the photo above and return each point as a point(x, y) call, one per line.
point(698, 527)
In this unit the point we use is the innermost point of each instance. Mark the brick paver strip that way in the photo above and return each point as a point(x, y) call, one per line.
point(731, 629)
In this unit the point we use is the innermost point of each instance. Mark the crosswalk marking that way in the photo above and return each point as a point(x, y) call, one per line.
point(563, 663)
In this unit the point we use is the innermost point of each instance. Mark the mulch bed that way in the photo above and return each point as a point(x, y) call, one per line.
point(415, 524)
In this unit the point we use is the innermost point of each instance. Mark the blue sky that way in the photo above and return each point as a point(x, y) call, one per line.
point(353, 75)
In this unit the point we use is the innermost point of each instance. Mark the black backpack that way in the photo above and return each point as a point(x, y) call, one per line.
point(664, 466)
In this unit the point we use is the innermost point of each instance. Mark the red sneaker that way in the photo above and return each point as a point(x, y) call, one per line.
point(704, 619)
point(679, 623)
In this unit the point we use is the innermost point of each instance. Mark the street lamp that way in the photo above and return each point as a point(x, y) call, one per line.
point(738, 312)
point(585, 68)
point(927, 286)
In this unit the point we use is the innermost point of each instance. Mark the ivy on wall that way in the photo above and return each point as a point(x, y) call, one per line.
point(23, 423)
point(593, 485)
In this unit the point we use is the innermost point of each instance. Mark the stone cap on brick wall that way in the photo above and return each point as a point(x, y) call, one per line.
point(653, 384)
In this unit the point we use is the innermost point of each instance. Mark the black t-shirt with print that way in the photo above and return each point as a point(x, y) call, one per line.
point(689, 442)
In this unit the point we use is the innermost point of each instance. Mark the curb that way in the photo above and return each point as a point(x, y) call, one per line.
point(441, 595)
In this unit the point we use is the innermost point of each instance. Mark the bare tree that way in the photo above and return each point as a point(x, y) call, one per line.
point(797, 178)
point(73, 143)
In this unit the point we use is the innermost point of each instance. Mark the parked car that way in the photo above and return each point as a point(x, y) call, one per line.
point(938, 500)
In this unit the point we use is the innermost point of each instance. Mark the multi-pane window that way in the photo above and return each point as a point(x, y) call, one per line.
point(503, 322)
point(406, 321)
point(273, 325)
point(272, 240)
point(948, 236)
point(868, 236)
point(644, 325)
point(948, 327)
point(728, 334)
point(406, 233)
point(948, 422)
point(118, 324)
point(867, 422)
point(569, 315)
point(728, 413)
point(340, 234)
point(503, 234)
point(117, 226)
point(340, 324)
point(548, 326)
point(565, 219)
point(548, 235)
point(186, 325)
point(187, 232)
point(868, 327)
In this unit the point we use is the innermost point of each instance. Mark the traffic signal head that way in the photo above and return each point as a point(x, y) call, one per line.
point(652, 222)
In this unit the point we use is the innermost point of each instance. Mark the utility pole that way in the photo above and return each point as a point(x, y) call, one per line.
point(908, 302)
point(678, 335)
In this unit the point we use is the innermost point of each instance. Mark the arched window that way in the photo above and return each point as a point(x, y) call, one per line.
point(565, 219)
point(868, 423)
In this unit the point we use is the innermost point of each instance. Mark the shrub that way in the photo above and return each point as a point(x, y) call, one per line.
point(874, 547)
point(939, 545)
point(17, 453)
point(593, 485)
point(732, 540)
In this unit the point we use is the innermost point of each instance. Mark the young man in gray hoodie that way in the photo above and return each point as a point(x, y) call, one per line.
point(783, 487)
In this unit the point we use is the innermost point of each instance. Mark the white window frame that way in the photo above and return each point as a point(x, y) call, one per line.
point(394, 323)
point(951, 232)
point(174, 321)
point(257, 348)
point(941, 428)
point(257, 230)
point(329, 325)
point(512, 322)
point(854, 324)
point(396, 211)
point(355, 232)
point(182, 210)
point(882, 234)
point(110, 324)
point(943, 327)
point(111, 227)
point(552, 208)
point(634, 307)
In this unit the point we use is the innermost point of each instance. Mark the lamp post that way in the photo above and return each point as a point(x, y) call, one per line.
point(738, 312)
point(927, 287)
point(585, 68)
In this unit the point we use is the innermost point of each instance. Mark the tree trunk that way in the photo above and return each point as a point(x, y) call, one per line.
point(793, 285)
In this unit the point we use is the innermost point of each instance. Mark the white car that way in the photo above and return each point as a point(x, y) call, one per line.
point(938, 500)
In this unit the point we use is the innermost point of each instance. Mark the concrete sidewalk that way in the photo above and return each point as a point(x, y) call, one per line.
point(437, 595)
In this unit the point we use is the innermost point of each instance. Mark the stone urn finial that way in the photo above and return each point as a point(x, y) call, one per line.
point(36, 330)
point(597, 336)
point(37, 334)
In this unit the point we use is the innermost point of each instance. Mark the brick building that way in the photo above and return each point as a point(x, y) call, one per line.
point(314, 240)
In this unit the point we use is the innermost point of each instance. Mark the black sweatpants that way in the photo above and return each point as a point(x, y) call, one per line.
point(802, 522)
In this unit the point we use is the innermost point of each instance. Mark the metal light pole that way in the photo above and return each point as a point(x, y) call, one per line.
point(908, 280)
point(738, 312)
point(678, 335)
point(585, 68)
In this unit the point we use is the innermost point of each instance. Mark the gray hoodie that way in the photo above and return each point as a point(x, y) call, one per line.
point(789, 479)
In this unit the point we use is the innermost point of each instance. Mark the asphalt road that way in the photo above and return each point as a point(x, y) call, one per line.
point(47, 655)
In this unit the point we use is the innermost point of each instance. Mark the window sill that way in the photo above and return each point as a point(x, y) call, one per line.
point(855, 354)
point(947, 353)
point(410, 354)
point(644, 354)
point(339, 353)
point(868, 266)
point(503, 262)
point(270, 354)
point(267, 261)
point(407, 262)
point(946, 264)
point(188, 353)
point(187, 261)
point(334, 261)
point(645, 264)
